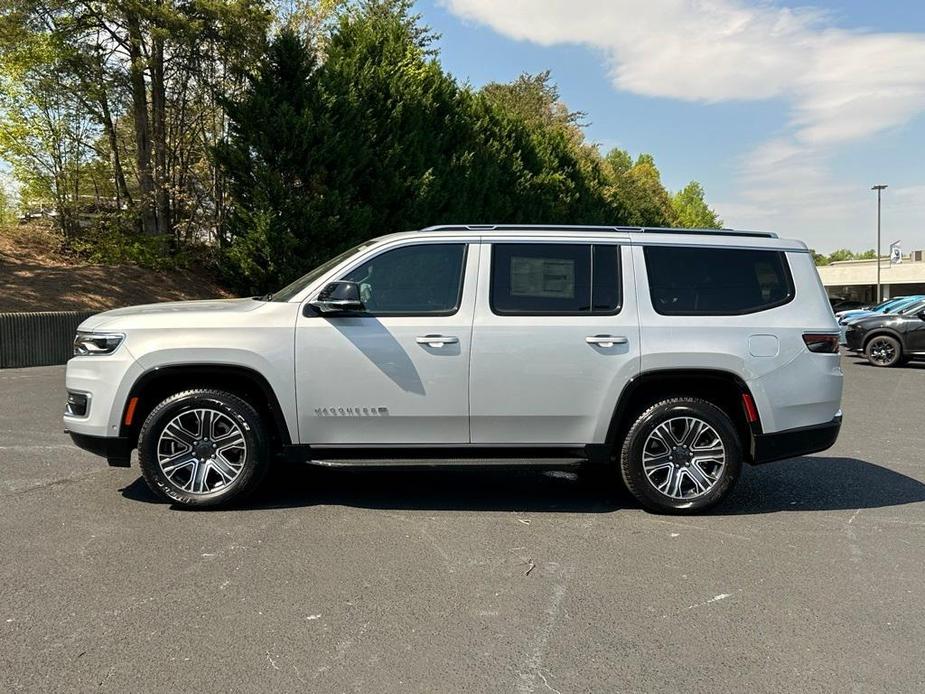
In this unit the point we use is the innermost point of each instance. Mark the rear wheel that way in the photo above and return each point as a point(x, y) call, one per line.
point(682, 455)
point(884, 350)
point(203, 448)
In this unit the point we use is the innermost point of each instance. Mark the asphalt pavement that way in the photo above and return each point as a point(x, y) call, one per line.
point(809, 578)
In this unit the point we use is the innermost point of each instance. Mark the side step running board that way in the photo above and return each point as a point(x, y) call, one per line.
point(450, 462)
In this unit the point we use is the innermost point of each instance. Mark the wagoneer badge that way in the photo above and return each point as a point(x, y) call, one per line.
point(351, 411)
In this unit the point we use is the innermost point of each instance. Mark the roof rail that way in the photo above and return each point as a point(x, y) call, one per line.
point(710, 232)
point(583, 227)
point(524, 227)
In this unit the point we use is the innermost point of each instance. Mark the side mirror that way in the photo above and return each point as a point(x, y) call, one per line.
point(338, 297)
point(921, 314)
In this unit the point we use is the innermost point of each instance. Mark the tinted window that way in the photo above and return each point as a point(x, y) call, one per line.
point(912, 308)
point(417, 279)
point(605, 292)
point(716, 281)
point(555, 278)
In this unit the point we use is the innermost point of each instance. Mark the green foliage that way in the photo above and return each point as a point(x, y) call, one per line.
point(151, 125)
point(691, 210)
point(42, 129)
point(638, 185)
point(534, 100)
point(619, 161)
point(377, 137)
point(818, 258)
point(118, 247)
point(113, 242)
point(115, 102)
point(843, 254)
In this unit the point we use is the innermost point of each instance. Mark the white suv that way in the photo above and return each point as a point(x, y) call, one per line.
point(666, 356)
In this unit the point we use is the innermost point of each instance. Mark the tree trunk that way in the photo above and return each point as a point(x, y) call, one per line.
point(142, 129)
point(122, 193)
point(159, 116)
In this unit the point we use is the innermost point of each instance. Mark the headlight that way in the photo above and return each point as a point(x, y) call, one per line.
point(91, 344)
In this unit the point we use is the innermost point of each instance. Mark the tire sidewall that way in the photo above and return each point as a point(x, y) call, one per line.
point(235, 408)
point(631, 459)
point(897, 359)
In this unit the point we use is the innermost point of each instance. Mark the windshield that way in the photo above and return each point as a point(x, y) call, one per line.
point(290, 290)
point(887, 305)
point(883, 305)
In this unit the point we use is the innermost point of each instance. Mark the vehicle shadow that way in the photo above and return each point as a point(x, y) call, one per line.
point(418, 488)
point(820, 483)
point(802, 484)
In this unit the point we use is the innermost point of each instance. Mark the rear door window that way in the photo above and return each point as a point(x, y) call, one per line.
point(555, 279)
point(688, 281)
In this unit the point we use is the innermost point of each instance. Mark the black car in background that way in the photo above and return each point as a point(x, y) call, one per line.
point(891, 338)
point(839, 303)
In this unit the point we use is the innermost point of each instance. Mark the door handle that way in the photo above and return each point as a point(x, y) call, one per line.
point(437, 340)
point(606, 340)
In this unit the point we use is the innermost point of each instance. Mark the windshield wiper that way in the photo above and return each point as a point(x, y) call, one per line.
point(265, 297)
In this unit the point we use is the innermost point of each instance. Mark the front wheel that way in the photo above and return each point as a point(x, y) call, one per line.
point(682, 455)
point(884, 350)
point(203, 448)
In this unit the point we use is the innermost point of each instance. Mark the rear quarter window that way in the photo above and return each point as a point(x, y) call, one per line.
point(704, 281)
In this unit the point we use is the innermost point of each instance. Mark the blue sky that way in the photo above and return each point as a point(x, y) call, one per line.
point(786, 112)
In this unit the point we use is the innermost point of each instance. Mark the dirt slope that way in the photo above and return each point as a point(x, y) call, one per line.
point(36, 276)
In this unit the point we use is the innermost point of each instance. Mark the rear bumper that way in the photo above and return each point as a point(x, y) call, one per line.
point(116, 449)
point(791, 443)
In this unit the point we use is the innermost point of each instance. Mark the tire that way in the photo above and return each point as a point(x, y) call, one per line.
point(679, 480)
point(231, 461)
point(884, 351)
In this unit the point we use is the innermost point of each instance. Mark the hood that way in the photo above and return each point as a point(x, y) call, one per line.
point(852, 316)
point(175, 312)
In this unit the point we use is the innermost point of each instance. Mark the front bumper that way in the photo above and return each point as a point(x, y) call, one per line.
point(106, 381)
point(116, 449)
point(791, 443)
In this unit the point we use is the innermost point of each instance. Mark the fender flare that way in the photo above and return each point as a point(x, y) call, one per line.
point(212, 371)
point(622, 407)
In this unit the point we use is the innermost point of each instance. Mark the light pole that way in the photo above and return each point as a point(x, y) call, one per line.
point(879, 188)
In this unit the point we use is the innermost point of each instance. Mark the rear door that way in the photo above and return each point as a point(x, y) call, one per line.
point(554, 340)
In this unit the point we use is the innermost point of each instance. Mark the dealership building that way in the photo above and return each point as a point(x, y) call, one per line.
point(857, 279)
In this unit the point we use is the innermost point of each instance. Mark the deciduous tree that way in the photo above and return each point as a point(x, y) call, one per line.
point(691, 210)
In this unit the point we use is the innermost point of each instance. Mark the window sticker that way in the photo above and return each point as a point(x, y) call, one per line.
point(543, 277)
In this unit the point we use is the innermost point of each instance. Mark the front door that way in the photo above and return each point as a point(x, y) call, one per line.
point(553, 343)
point(396, 373)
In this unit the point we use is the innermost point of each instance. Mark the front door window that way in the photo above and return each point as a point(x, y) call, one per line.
point(423, 279)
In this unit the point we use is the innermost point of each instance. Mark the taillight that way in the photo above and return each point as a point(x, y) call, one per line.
point(821, 343)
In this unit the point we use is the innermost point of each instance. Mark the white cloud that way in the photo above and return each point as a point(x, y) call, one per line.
point(842, 86)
